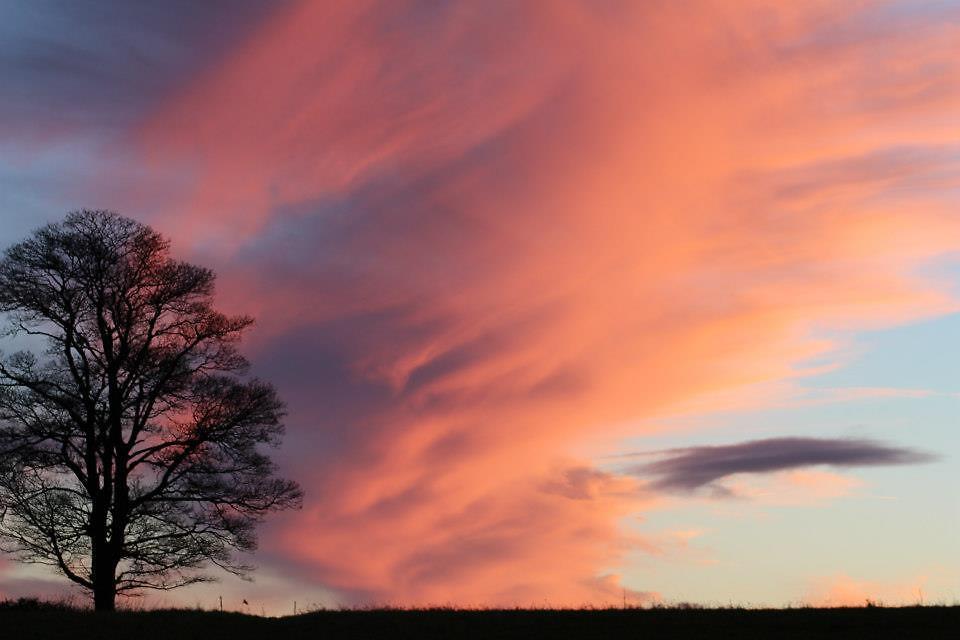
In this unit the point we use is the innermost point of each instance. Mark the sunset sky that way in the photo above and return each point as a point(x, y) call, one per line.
point(571, 301)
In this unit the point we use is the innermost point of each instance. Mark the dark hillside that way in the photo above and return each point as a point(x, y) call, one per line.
point(676, 624)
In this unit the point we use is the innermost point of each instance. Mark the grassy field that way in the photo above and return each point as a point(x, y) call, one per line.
point(676, 624)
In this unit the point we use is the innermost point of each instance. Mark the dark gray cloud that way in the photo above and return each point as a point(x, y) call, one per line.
point(688, 469)
point(88, 65)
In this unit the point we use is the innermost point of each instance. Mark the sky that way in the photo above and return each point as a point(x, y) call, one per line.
point(571, 302)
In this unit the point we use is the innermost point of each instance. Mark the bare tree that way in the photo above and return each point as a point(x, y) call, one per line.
point(130, 445)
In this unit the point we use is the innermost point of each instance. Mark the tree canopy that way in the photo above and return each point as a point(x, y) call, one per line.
point(132, 441)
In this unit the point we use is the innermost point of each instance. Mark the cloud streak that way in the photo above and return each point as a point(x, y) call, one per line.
point(692, 468)
point(75, 69)
point(479, 240)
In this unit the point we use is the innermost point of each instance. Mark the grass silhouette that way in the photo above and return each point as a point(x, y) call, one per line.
point(29, 618)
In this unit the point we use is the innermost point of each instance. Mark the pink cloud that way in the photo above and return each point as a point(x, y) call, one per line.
point(842, 590)
point(480, 240)
point(802, 487)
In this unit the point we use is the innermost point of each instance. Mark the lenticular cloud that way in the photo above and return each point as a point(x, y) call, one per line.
point(696, 467)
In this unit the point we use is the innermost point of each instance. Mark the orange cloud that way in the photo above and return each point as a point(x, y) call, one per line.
point(482, 238)
point(843, 591)
point(795, 488)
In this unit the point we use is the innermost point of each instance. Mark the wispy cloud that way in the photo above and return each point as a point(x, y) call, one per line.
point(691, 468)
point(477, 237)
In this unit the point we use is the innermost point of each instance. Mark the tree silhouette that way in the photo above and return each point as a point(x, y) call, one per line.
point(129, 454)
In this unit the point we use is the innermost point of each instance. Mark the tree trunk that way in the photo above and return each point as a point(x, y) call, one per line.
point(104, 594)
point(103, 577)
